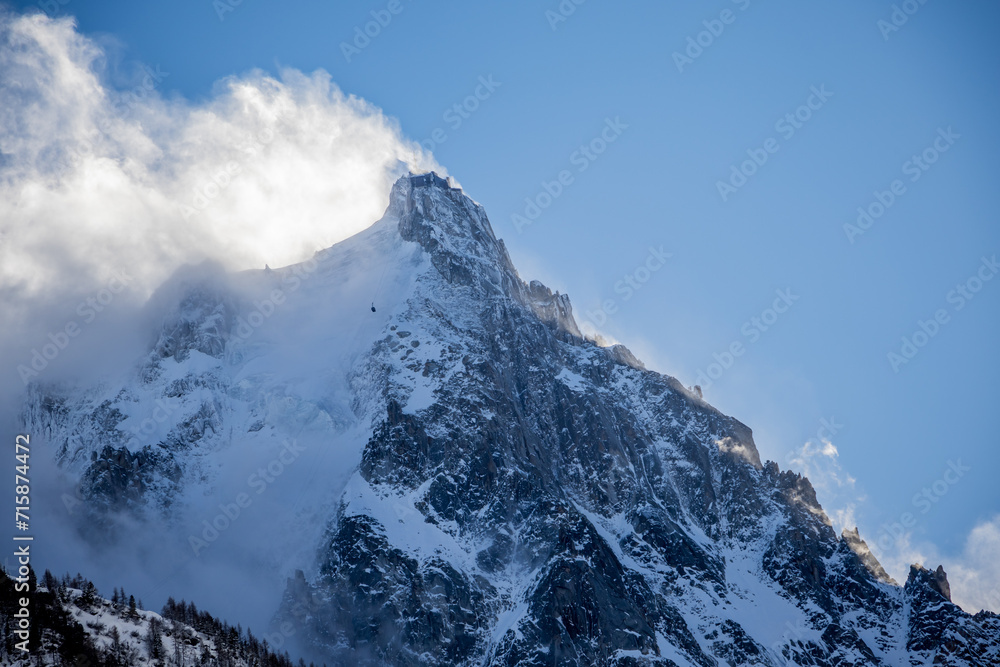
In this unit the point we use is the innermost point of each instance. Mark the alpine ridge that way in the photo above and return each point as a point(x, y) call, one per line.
point(478, 483)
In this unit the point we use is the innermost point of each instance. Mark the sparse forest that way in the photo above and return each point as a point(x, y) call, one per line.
point(71, 624)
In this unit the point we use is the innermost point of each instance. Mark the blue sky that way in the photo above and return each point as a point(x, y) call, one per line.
point(868, 96)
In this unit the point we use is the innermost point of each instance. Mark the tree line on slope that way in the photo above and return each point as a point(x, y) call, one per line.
point(56, 634)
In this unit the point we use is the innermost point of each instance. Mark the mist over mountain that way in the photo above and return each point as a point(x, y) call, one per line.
point(399, 452)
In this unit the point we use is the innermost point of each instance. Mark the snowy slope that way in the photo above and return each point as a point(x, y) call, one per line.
point(75, 626)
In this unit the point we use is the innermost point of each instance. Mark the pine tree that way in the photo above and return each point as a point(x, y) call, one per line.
point(178, 648)
point(154, 641)
point(116, 644)
point(131, 607)
point(50, 582)
point(89, 596)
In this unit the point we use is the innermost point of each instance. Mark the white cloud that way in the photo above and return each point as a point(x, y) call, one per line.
point(98, 178)
point(974, 574)
point(844, 517)
point(94, 179)
point(819, 460)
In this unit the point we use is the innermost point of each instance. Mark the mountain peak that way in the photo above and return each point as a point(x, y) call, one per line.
point(430, 179)
point(854, 541)
point(552, 308)
point(935, 580)
point(451, 227)
point(479, 484)
point(456, 233)
point(408, 185)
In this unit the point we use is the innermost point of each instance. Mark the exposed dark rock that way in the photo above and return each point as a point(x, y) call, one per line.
point(524, 496)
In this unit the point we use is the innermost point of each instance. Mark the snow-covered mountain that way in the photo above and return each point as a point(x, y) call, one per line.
point(460, 478)
point(73, 625)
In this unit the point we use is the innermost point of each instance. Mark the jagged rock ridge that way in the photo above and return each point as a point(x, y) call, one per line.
point(517, 495)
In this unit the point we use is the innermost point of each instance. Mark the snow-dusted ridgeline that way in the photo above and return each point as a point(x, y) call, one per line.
point(477, 483)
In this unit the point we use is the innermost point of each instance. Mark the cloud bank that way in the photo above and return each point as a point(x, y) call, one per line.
point(819, 460)
point(974, 574)
point(96, 178)
point(106, 189)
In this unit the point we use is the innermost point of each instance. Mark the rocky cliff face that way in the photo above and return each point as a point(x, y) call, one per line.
point(515, 494)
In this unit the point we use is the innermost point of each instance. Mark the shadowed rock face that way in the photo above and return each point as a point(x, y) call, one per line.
point(581, 503)
point(941, 631)
point(525, 497)
point(852, 539)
